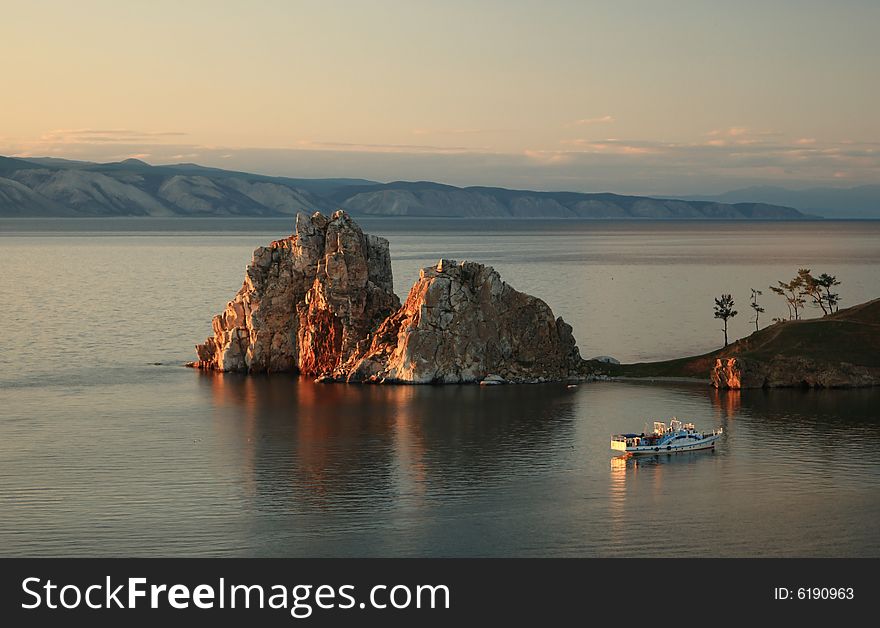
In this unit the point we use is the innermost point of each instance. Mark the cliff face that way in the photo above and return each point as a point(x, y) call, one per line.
point(460, 323)
point(352, 293)
point(306, 302)
point(788, 372)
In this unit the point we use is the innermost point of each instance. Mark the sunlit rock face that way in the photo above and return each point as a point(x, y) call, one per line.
point(728, 373)
point(306, 303)
point(461, 323)
point(789, 372)
point(349, 297)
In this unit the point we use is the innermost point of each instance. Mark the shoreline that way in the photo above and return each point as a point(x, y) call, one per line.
point(661, 379)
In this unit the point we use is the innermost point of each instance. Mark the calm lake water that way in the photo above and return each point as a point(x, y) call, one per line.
point(108, 447)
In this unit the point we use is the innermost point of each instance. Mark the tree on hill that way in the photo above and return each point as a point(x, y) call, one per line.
point(832, 299)
point(810, 288)
point(805, 287)
point(724, 310)
point(791, 292)
point(755, 306)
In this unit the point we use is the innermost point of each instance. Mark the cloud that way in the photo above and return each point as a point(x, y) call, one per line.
point(98, 136)
point(614, 146)
point(548, 158)
point(733, 131)
point(741, 157)
point(385, 148)
point(740, 136)
point(458, 131)
point(598, 120)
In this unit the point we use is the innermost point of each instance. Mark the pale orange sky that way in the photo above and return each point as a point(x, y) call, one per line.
point(640, 97)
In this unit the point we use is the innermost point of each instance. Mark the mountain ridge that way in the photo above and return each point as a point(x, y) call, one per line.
point(53, 187)
point(862, 201)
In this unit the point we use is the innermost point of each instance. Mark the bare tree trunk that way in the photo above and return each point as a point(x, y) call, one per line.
point(725, 332)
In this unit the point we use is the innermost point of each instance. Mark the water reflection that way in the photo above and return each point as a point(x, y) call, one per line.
point(617, 499)
point(526, 470)
point(726, 403)
point(332, 445)
point(840, 406)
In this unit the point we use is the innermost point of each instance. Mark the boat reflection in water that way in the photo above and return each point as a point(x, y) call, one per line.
point(623, 462)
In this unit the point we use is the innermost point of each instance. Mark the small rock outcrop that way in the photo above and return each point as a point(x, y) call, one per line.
point(605, 359)
point(789, 372)
point(308, 301)
point(462, 323)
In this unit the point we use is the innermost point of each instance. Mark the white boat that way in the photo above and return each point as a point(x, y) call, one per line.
point(675, 437)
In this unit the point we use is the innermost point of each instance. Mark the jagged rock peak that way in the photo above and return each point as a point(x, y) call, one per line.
point(307, 301)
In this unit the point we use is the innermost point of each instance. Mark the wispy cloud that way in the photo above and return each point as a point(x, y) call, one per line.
point(736, 154)
point(549, 157)
point(733, 131)
point(597, 120)
point(461, 131)
point(613, 146)
point(385, 148)
point(97, 136)
point(739, 135)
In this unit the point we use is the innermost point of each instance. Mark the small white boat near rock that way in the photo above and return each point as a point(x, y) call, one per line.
point(673, 438)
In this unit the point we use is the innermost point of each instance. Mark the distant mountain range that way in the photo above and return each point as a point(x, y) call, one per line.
point(36, 187)
point(856, 202)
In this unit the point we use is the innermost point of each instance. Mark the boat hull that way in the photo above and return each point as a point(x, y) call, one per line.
point(673, 448)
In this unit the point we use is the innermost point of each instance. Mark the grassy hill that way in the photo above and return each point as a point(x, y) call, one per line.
point(851, 335)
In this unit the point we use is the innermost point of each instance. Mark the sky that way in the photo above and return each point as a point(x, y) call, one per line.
point(640, 97)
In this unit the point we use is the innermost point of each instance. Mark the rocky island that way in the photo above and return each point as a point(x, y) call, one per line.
point(321, 303)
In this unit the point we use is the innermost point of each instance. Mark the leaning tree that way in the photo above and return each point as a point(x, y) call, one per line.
point(832, 299)
point(793, 295)
point(810, 288)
